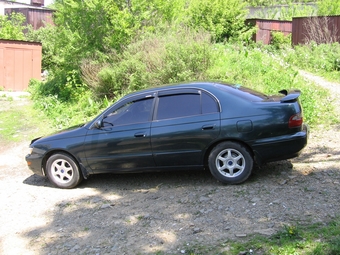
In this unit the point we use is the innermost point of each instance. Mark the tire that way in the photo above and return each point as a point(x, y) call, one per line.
point(63, 171)
point(230, 162)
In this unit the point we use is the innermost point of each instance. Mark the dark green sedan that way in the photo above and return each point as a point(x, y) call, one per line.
point(225, 128)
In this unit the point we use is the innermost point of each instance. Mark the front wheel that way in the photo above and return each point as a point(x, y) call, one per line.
point(62, 170)
point(230, 162)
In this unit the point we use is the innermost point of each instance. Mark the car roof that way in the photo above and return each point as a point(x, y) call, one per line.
point(211, 86)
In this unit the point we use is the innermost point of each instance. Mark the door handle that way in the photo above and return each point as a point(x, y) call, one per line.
point(140, 134)
point(208, 127)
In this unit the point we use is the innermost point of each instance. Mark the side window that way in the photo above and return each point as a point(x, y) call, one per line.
point(129, 113)
point(175, 106)
point(209, 104)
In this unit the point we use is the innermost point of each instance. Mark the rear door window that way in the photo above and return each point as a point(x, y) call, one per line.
point(176, 106)
point(184, 105)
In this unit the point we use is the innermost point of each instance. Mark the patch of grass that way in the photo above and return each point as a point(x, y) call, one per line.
point(20, 122)
point(315, 239)
point(322, 59)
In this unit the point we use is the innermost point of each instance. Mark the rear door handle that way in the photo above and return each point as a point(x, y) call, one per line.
point(140, 134)
point(208, 127)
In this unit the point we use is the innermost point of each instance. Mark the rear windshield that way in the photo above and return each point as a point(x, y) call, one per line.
point(243, 92)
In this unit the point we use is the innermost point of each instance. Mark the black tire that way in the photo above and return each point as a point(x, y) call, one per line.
point(230, 162)
point(63, 171)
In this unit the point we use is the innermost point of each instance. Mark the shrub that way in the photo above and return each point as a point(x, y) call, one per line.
point(224, 19)
point(279, 40)
point(150, 61)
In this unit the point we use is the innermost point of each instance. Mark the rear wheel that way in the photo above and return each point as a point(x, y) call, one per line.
point(230, 162)
point(63, 171)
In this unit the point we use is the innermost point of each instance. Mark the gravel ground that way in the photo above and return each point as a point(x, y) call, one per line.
point(167, 212)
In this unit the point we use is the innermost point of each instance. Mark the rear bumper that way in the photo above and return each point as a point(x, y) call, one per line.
point(282, 147)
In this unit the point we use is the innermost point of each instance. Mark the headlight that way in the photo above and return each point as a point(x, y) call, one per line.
point(30, 150)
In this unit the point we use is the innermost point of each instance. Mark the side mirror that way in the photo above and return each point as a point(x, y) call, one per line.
point(98, 124)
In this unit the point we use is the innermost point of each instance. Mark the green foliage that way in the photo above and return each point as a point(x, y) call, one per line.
point(328, 7)
point(265, 70)
point(65, 108)
point(20, 123)
point(104, 49)
point(47, 36)
point(323, 59)
point(224, 19)
point(12, 26)
point(66, 86)
point(279, 40)
point(153, 60)
point(317, 239)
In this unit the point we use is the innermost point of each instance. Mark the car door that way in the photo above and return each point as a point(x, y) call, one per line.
point(186, 122)
point(122, 143)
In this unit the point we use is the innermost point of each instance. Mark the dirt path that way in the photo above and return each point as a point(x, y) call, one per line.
point(167, 212)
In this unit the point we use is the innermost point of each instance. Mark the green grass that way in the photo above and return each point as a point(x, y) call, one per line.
point(264, 69)
point(323, 239)
point(315, 239)
point(20, 122)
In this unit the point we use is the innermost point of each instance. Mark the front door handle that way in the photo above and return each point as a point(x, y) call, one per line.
point(140, 134)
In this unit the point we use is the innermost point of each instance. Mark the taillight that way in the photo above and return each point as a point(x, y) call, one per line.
point(295, 120)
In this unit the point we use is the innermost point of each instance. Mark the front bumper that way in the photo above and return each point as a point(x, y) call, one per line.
point(34, 163)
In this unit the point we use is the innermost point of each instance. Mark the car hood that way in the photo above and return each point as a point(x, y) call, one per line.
point(74, 131)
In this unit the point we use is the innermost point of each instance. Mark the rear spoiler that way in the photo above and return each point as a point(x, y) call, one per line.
point(290, 96)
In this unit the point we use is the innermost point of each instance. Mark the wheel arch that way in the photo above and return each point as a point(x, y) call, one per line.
point(208, 151)
point(83, 170)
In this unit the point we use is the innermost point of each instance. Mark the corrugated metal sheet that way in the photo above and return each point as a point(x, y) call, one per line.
point(265, 27)
point(19, 62)
point(322, 29)
point(37, 17)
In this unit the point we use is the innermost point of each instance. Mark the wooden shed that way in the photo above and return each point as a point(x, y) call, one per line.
point(265, 27)
point(20, 61)
point(321, 29)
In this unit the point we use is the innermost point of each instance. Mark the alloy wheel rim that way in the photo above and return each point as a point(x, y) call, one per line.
point(230, 163)
point(62, 171)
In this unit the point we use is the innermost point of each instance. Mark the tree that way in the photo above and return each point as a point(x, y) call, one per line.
point(224, 19)
point(12, 26)
point(328, 7)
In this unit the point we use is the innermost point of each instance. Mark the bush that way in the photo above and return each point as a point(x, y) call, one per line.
point(63, 112)
point(224, 19)
point(279, 40)
point(151, 61)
